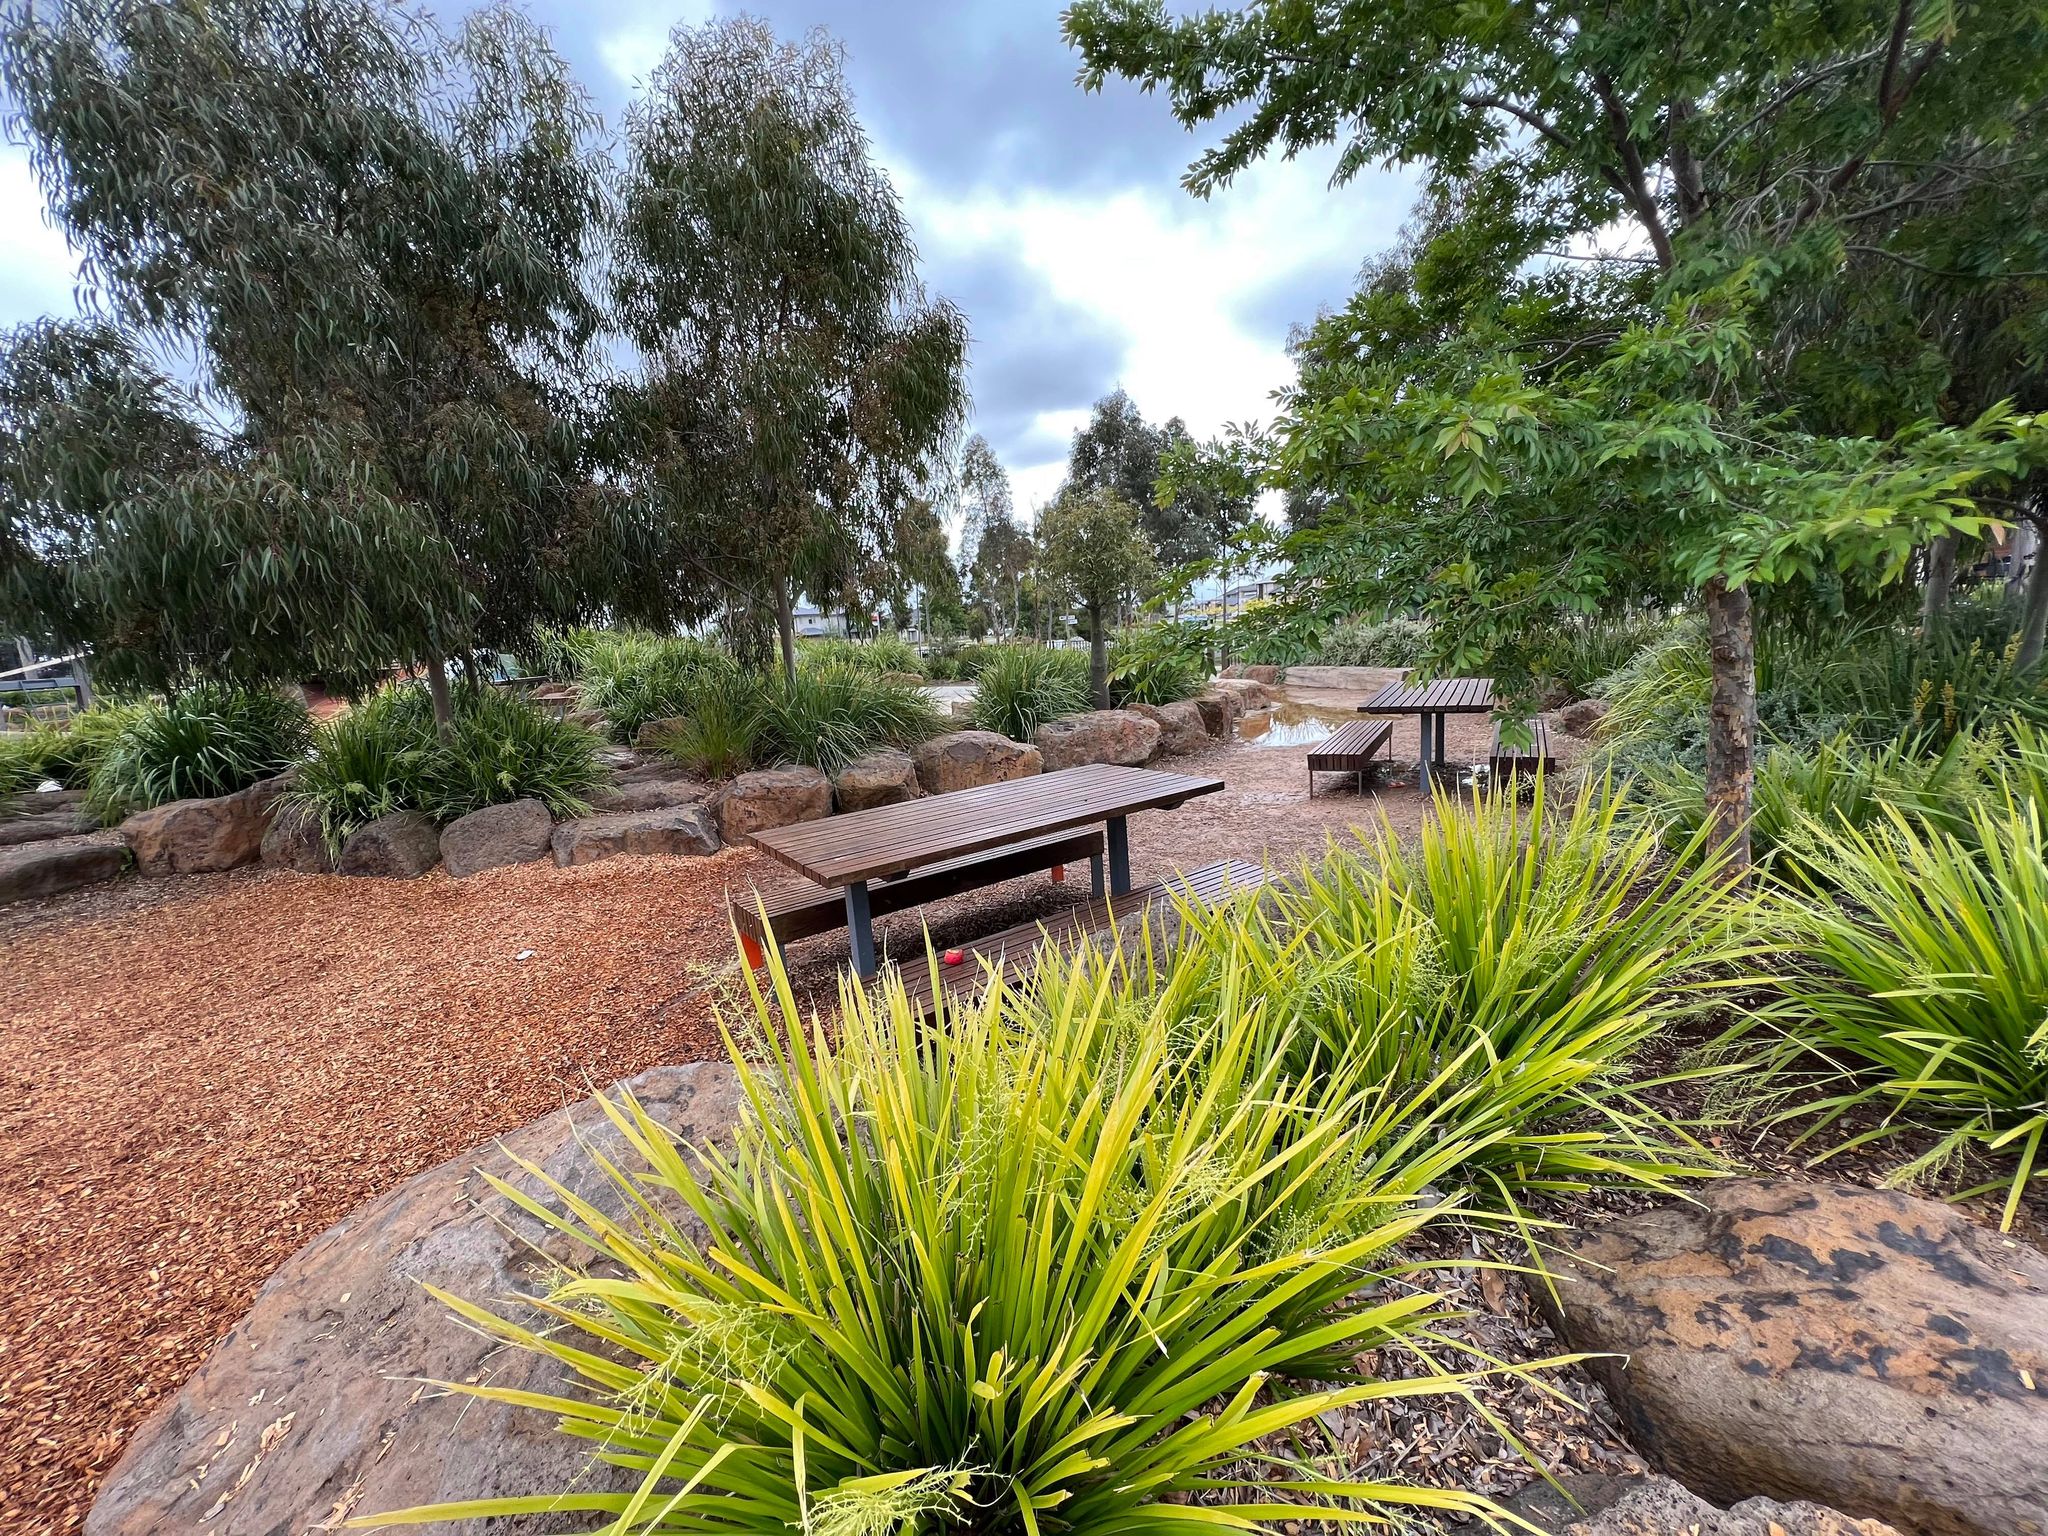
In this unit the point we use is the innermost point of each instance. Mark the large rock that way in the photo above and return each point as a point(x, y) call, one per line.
point(517, 832)
point(772, 797)
point(47, 869)
point(294, 841)
point(190, 837)
point(395, 847)
point(1863, 1349)
point(1250, 693)
point(659, 786)
point(684, 831)
point(881, 778)
point(311, 1410)
point(42, 826)
point(1656, 1506)
point(1100, 736)
point(1583, 717)
point(653, 733)
point(1181, 726)
point(964, 759)
point(1220, 712)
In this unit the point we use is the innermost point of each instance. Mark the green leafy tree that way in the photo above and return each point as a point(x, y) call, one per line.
point(370, 236)
point(1118, 450)
point(996, 552)
point(1093, 545)
point(799, 388)
point(1736, 160)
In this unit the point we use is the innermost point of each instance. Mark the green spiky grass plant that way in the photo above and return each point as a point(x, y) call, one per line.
point(721, 735)
point(881, 655)
point(365, 763)
point(831, 716)
point(632, 677)
point(969, 1276)
point(1496, 980)
point(1023, 686)
point(206, 740)
point(501, 749)
point(1924, 992)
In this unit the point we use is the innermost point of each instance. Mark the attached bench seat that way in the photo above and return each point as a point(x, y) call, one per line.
point(797, 908)
point(1506, 761)
point(1209, 886)
point(1349, 749)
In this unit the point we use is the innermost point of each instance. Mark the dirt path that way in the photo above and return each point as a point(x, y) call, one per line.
point(197, 1075)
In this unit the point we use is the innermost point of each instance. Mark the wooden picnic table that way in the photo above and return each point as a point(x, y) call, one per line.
point(1429, 703)
point(851, 850)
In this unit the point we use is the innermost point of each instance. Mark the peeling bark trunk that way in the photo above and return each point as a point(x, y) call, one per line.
point(1731, 722)
point(2034, 617)
point(1941, 576)
point(785, 627)
point(437, 692)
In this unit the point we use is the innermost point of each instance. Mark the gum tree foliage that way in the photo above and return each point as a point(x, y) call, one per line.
point(1118, 450)
point(799, 388)
point(1500, 470)
point(1093, 546)
point(363, 241)
point(996, 551)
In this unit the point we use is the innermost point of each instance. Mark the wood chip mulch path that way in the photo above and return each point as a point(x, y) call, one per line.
point(199, 1075)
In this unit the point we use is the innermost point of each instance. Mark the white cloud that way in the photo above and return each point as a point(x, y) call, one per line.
point(37, 270)
point(631, 50)
point(1173, 276)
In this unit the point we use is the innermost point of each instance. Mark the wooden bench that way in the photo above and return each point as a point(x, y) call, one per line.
point(1506, 761)
point(799, 908)
point(1208, 886)
point(1349, 749)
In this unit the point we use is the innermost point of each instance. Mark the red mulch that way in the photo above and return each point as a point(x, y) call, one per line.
point(198, 1075)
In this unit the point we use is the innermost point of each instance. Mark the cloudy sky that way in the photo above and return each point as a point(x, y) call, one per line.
point(1055, 219)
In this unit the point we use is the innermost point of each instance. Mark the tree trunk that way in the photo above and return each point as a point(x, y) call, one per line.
point(437, 691)
point(785, 627)
point(1941, 576)
point(1731, 722)
point(81, 668)
point(1098, 657)
point(2034, 616)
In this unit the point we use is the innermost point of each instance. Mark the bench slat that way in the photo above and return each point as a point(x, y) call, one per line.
point(1204, 887)
point(1505, 759)
point(799, 908)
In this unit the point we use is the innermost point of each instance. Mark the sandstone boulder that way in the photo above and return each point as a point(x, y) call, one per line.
point(772, 797)
point(1181, 727)
point(515, 833)
point(310, 1411)
point(653, 733)
point(650, 791)
point(1869, 1351)
point(684, 831)
point(50, 868)
point(1582, 718)
point(394, 847)
point(294, 841)
point(42, 826)
point(1251, 694)
point(963, 759)
point(1099, 736)
point(881, 778)
point(1601, 1505)
point(1220, 712)
point(190, 837)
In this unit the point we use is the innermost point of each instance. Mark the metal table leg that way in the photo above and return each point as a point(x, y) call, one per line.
point(1119, 857)
point(1439, 735)
point(860, 929)
point(1095, 887)
point(1424, 758)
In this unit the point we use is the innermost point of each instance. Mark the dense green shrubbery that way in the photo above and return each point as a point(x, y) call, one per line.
point(1920, 985)
point(1024, 686)
point(825, 717)
point(1375, 643)
point(384, 756)
point(967, 1276)
point(632, 677)
point(1575, 658)
point(883, 654)
point(203, 741)
point(1160, 664)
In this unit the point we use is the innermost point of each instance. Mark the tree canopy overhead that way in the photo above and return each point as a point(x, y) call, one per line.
point(799, 385)
point(1509, 431)
point(367, 239)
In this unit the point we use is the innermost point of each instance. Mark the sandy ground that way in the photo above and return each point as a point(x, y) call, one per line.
point(199, 1074)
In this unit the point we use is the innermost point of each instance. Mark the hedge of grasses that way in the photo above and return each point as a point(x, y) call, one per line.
point(1024, 686)
point(824, 717)
point(203, 741)
point(884, 654)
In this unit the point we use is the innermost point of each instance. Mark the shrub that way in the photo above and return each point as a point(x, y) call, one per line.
point(1162, 664)
point(366, 763)
point(1381, 643)
point(1022, 687)
point(829, 717)
point(24, 760)
point(959, 1277)
point(503, 749)
point(1493, 983)
point(633, 677)
point(883, 654)
point(1576, 657)
point(1924, 988)
point(201, 742)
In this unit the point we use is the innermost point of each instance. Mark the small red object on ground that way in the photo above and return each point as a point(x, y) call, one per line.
point(953, 957)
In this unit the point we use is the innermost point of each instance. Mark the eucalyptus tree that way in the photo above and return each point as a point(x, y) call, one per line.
point(798, 386)
point(1739, 157)
point(1093, 547)
point(996, 551)
point(365, 241)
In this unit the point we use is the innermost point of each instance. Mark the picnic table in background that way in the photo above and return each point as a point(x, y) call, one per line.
point(1430, 703)
point(853, 850)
